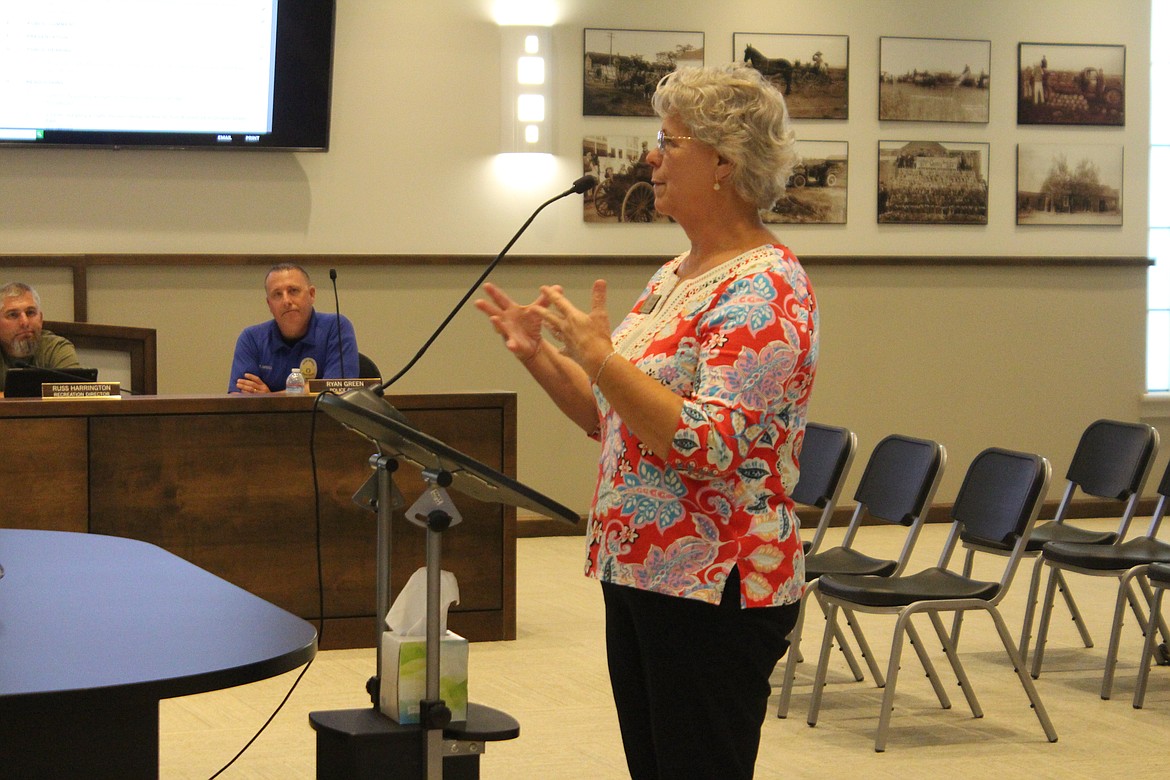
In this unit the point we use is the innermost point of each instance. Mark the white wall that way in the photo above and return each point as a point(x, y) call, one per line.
point(972, 356)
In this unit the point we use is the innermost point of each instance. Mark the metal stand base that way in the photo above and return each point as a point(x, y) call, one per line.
point(366, 745)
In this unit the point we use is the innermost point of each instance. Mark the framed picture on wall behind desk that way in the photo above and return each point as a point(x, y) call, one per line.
point(1071, 84)
point(1069, 184)
point(932, 182)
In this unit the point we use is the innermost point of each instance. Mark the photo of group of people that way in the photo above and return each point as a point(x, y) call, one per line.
point(932, 182)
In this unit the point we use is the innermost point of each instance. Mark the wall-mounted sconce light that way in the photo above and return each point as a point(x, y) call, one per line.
point(525, 90)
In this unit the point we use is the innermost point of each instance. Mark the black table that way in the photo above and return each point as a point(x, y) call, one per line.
point(95, 630)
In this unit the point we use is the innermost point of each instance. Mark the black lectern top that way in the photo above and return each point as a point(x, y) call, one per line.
point(374, 417)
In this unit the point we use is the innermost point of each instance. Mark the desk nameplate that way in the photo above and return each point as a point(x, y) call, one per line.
point(317, 386)
point(55, 391)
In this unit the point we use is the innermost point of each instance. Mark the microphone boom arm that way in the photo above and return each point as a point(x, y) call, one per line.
point(581, 185)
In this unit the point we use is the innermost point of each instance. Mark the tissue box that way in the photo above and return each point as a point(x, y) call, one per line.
point(404, 676)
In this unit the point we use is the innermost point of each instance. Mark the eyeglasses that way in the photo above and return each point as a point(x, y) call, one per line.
point(663, 138)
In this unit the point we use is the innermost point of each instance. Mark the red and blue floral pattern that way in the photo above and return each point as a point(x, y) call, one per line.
point(739, 345)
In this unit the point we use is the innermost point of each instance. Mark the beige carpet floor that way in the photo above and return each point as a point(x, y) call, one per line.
point(552, 679)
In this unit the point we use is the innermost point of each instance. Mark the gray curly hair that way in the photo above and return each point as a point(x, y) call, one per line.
point(743, 116)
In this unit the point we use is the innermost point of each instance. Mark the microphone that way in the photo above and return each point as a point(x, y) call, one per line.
point(583, 185)
point(580, 186)
point(337, 307)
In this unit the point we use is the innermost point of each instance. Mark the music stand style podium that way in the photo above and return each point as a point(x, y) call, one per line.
point(364, 743)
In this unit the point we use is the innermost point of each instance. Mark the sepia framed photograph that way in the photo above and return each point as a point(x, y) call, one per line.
point(934, 80)
point(623, 192)
point(818, 191)
point(623, 67)
point(1071, 84)
point(1069, 184)
point(811, 70)
point(932, 182)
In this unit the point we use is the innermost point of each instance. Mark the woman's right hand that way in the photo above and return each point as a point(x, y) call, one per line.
point(519, 325)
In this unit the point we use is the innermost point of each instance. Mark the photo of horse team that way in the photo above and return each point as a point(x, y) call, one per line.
point(811, 70)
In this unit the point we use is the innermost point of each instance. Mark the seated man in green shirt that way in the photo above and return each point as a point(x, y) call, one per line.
point(23, 339)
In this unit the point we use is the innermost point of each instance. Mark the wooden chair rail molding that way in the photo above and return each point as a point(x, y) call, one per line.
point(80, 263)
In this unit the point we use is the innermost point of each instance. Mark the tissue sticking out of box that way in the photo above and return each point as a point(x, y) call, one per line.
point(408, 613)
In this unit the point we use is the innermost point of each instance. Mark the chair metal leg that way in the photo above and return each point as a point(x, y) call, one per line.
point(1030, 609)
point(1045, 617)
point(952, 654)
point(1139, 691)
point(794, 657)
point(847, 651)
point(927, 664)
point(863, 646)
point(786, 686)
point(1018, 663)
point(1073, 610)
point(1125, 595)
point(1150, 625)
point(814, 704)
point(957, 621)
point(1147, 592)
point(879, 743)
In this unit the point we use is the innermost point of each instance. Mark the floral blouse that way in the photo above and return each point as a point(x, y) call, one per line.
point(739, 344)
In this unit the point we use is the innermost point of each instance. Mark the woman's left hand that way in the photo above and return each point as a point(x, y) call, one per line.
point(584, 336)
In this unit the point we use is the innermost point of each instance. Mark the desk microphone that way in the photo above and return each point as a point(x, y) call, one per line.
point(337, 306)
point(580, 186)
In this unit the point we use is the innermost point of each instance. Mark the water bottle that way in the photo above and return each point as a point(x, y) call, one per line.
point(295, 384)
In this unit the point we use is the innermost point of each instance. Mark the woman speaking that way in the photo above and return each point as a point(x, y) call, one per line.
point(699, 399)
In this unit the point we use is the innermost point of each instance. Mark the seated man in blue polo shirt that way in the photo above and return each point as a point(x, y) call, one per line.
point(297, 336)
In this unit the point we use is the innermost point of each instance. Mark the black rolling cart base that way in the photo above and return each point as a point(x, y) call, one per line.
point(364, 744)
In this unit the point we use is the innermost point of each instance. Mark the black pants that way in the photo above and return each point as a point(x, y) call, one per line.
point(690, 680)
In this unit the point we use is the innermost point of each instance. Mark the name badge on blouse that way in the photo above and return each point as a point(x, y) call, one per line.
point(649, 304)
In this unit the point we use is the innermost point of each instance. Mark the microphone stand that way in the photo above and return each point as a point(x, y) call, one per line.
point(337, 308)
point(581, 185)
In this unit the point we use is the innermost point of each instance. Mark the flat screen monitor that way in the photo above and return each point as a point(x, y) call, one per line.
point(167, 74)
point(26, 382)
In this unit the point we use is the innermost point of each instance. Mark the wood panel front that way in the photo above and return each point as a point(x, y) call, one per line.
point(44, 478)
